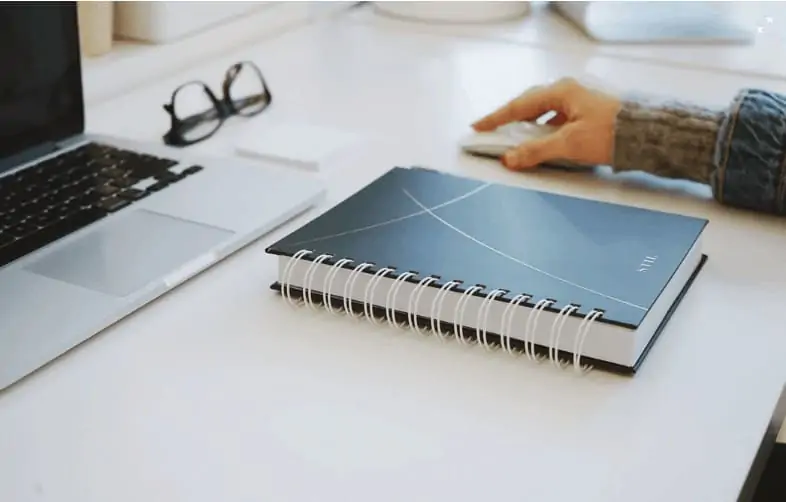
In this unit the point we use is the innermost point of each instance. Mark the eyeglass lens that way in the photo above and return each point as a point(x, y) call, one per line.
point(247, 89)
point(194, 107)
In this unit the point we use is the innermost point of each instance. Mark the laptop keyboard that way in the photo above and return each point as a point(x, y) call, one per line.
point(59, 196)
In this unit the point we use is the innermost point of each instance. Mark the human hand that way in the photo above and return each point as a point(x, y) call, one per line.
point(585, 118)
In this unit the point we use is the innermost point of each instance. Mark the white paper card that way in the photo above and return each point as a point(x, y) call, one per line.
point(305, 145)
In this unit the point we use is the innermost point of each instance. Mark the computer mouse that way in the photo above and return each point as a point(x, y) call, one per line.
point(495, 143)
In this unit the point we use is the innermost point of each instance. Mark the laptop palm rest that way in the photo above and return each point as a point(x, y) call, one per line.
point(136, 249)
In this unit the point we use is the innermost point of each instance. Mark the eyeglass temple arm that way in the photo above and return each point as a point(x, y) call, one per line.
point(250, 100)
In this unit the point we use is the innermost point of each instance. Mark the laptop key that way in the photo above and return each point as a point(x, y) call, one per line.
point(131, 194)
point(22, 229)
point(123, 182)
point(45, 219)
point(166, 176)
point(113, 204)
point(113, 172)
point(155, 187)
point(193, 170)
point(107, 190)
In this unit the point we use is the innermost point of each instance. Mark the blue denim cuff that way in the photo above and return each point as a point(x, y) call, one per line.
point(750, 157)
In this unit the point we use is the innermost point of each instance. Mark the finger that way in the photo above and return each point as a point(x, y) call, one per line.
point(534, 152)
point(529, 106)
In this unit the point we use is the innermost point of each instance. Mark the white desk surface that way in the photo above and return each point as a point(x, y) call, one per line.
point(219, 391)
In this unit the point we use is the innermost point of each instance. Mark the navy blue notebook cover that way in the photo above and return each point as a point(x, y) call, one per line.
point(568, 249)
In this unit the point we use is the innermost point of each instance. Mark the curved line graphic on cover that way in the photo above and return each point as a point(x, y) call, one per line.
point(516, 260)
point(394, 220)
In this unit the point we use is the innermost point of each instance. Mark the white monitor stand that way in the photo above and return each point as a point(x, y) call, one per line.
point(659, 22)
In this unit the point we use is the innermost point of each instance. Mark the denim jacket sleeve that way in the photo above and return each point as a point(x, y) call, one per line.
point(750, 153)
point(739, 151)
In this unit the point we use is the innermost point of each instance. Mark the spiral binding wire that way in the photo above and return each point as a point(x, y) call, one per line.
point(288, 270)
point(368, 297)
point(436, 308)
point(390, 300)
point(556, 334)
point(483, 316)
point(458, 319)
point(327, 286)
point(414, 299)
point(349, 286)
point(509, 314)
point(578, 345)
point(309, 275)
point(508, 321)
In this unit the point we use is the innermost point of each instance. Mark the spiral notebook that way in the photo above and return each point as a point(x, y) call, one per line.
point(571, 281)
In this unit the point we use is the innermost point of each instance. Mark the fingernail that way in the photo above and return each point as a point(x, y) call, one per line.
point(511, 159)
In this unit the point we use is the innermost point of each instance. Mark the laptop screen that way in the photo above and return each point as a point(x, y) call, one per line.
point(40, 75)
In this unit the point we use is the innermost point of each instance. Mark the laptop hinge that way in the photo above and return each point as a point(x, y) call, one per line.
point(71, 141)
point(38, 153)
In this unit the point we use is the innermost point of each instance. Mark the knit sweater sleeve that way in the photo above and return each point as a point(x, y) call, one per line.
point(667, 139)
point(739, 151)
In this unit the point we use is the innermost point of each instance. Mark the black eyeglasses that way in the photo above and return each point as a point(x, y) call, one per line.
point(197, 113)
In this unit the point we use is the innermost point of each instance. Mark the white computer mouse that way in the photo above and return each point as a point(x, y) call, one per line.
point(495, 143)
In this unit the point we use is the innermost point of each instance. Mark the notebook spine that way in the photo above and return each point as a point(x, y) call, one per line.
point(317, 298)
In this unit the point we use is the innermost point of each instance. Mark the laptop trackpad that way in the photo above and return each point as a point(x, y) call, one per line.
point(129, 253)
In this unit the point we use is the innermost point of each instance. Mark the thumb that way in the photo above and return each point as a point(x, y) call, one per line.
point(537, 151)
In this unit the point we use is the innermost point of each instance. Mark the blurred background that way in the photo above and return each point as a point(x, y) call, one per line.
point(127, 42)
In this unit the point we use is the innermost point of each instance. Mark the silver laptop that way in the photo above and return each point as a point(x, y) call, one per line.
point(93, 228)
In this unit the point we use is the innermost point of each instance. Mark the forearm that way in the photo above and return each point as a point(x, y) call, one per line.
point(740, 151)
